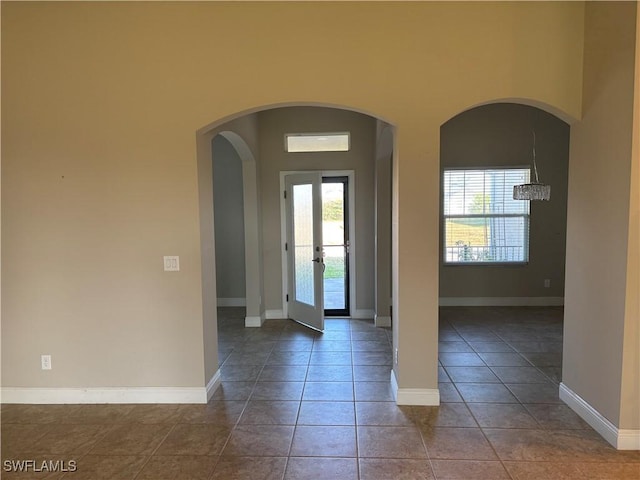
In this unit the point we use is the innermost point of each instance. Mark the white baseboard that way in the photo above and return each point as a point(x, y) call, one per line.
point(232, 302)
point(213, 384)
point(501, 301)
point(380, 321)
point(620, 439)
point(31, 395)
point(363, 314)
point(414, 396)
point(255, 321)
point(274, 314)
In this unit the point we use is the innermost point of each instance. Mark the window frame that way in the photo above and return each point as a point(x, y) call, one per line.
point(443, 220)
point(316, 134)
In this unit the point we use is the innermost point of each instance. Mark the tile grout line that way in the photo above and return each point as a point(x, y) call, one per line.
point(158, 447)
point(493, 449)
point(355, 412)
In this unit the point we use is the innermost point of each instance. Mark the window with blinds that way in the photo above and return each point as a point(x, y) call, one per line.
point(482, 221)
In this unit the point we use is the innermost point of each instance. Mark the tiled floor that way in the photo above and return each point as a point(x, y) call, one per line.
point(299, 405)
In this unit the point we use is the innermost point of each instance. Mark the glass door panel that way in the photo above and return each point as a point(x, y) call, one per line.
point(303, 205)
point(335, 233)
point(302, 199)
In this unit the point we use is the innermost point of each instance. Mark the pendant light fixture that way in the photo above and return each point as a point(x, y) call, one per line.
point(534, 190)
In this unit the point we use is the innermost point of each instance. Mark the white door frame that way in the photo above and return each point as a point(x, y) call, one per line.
point(350, 174)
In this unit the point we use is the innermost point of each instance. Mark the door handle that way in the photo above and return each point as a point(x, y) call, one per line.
point(319, 260)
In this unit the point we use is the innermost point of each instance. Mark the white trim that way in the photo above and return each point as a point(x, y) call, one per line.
point(232, 302)
point(501, 301)
point(628, 439)
point(363, 314)
point(418, 396)
point(274, 314)
point(353, 244)
point(92, 395)
point(255, 321)
point(350, 174)
point(620, 439)
point(213, 384)
point(380, 321)
point(414, 396)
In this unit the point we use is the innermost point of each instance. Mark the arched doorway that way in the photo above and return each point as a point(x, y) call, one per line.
point(257, 149)
point(502, 261)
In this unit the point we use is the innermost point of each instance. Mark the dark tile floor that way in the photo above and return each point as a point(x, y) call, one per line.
point(299, 405)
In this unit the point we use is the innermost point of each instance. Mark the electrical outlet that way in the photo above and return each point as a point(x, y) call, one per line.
point(46, 362)
point(547, 283)
point(395, 356)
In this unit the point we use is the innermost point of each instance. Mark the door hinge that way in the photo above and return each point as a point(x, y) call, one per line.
point(286, 246)
point(287, 297)
point(285, 194)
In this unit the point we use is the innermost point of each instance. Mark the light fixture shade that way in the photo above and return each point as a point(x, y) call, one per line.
point(532, 191)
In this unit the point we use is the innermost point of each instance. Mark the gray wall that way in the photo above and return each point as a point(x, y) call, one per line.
point(499, 135)
point(273, 125)
point(228, 219)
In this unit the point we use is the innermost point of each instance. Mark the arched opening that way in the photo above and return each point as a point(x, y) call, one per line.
point(502, 261)
point(248, 243)
point(229, 224)
point(256, 139)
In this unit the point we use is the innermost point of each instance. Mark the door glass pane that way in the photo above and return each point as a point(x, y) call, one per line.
point(334, 278)
point(303, 243)
point(333, 213)
point(333, 236)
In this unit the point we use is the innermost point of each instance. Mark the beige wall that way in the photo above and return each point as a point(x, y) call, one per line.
point(630, 399)
point(273, 125)
point(500, 135)
point(598, 219)
point(110, 95)
point(630, 396)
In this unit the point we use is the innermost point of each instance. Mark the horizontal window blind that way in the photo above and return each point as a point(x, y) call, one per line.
point(482, 221)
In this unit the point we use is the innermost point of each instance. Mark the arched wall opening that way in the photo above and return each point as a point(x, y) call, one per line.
point(236, 212)
point(257, 138)
point(497, 137)
point(229, 223)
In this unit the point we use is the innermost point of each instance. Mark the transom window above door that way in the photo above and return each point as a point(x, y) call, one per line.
point(317, 142)
point(483, 224)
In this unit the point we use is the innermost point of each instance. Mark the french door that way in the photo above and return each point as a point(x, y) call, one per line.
point(303, 205)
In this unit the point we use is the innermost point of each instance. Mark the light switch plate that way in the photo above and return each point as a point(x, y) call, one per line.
point(171, 264)
point(45, 360)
